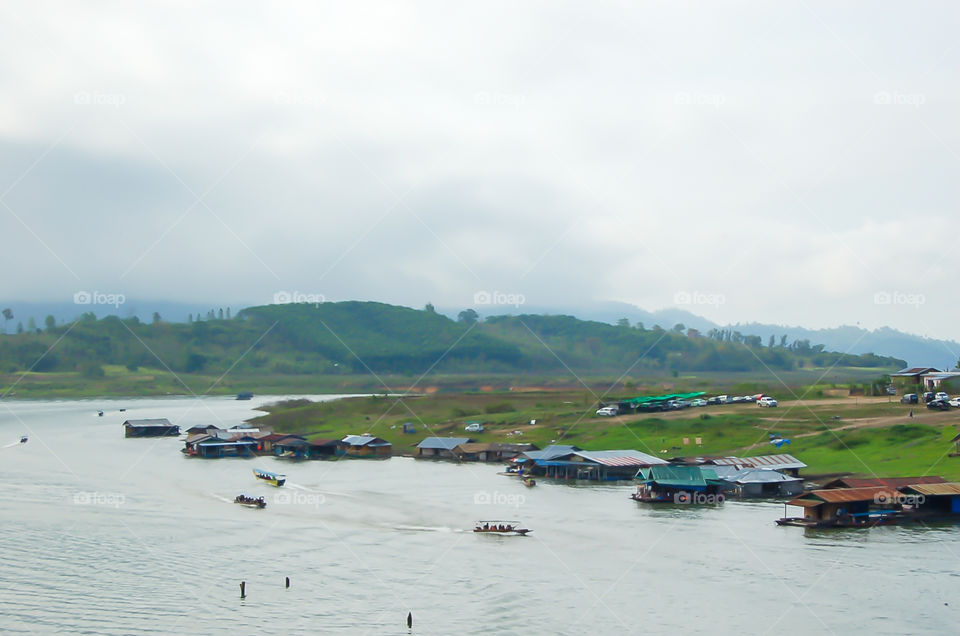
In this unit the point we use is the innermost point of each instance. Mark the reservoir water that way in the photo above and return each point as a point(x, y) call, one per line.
point(100, 534)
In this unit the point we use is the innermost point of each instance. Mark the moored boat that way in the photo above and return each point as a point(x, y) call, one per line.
point(501, 527)
point(274, 479)
point(529, 481)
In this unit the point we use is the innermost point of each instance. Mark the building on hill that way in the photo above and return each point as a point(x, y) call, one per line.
point(911, 377)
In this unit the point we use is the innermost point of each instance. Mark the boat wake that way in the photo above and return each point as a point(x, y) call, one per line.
point(425, 528)
point(12, 444)
point(321, 492)
point(215, 495)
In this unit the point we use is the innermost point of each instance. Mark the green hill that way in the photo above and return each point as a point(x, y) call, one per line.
point(350, 338)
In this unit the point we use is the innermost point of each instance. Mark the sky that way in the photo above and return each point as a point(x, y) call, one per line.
point(790, 162)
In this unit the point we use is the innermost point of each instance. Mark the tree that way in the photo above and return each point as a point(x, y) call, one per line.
point(156, 318)
point(468, 317)
point(693, 333)
point(19, 327)
point(640, 327)
point(679, 327)
point(7, 316)
point(196, 362)
point(50, 323)
point(228, 313)
point(31, 325)
point(189, 317)
point(220, 314)
point(771, 342)
point(623, 322)
point(783, 340)
point(429, 308)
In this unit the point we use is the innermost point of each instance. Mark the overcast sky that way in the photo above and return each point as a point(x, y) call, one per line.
point(776, 162)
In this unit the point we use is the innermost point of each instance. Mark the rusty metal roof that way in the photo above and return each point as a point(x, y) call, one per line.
point(842, 495)
point(877, 482)
point(776, 462)
point(949, 488)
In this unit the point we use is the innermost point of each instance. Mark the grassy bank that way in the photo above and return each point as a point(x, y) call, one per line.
point(867, 436)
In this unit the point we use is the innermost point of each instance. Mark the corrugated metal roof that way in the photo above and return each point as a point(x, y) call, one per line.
point(948, 488)
point(551, 452)
point(762, 476)
point(877, 482)
point(842, 495)
point(496, 447)
point(913, 371)
point(776, 462)
point(621, 458)
point(442, 443)
point(364, 440)
point(159, 421)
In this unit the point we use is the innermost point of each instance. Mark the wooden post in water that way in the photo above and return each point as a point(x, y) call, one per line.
point(243, 589)
point(409, 620)
point(288, 582)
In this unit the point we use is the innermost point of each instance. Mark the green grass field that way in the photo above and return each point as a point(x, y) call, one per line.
point(872, 436)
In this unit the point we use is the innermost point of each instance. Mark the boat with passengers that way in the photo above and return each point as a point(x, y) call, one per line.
point(500, 527)
point(274, 479)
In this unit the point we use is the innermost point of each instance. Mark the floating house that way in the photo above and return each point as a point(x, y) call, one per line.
point(202, 428)
point(758, 482)
point(158, 427)
point(322, 448)
point(440, 447)
point(848, 507)
point(211, 446)
point(491, 451)
point(679, 484)
point(938, 500)
point(291, 447)
point(570, 462)
point(364, 446)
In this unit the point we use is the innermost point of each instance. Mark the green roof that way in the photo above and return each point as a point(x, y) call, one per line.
point(664, 398)
point(678, 476)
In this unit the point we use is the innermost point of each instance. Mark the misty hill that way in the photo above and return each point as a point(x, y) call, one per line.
point(369, 337)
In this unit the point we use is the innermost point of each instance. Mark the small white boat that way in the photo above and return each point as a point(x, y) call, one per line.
point(23, 440)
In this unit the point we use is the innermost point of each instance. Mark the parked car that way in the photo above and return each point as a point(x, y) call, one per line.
point(941, 396)
point(474, 427)
point(713, 401)
point(955, 402)
point(939, 405)
point(651, 407)
point(698, 402)
point(909, 398)
point(608, 411)
point(928, 396)
point(766, 401)
point(723, 399)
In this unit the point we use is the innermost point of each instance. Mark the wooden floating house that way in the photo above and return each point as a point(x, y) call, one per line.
point(364, 446)
point(491, 451)
point(211, 446)
point(157, 427)
point(440, 447)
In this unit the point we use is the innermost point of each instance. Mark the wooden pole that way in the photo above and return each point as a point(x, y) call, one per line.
point(288, 581)
point(243, 589)
point(409, 620)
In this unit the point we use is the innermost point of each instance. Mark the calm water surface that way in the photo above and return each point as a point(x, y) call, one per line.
point(107, 535)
